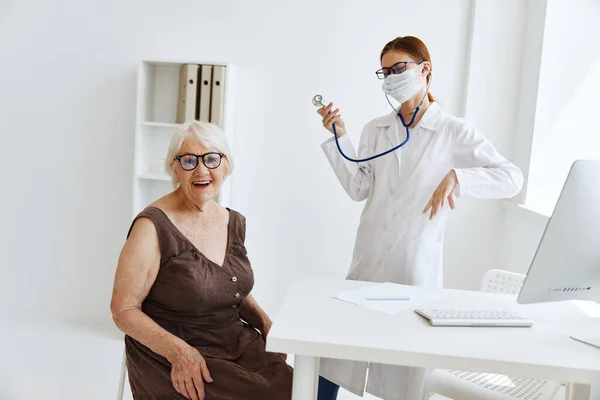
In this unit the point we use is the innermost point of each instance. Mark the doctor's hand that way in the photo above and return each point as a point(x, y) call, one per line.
point(445, 190)
point(331, 117)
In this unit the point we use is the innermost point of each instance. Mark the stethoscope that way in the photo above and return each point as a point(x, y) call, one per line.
point(318, 101)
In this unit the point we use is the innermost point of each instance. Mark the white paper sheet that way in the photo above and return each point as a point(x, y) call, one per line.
point(392, 307)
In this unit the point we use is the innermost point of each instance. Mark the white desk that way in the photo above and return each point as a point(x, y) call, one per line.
point(311, 325)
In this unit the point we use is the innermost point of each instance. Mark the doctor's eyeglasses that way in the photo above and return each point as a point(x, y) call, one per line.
point(395, 69)
point(189, 162)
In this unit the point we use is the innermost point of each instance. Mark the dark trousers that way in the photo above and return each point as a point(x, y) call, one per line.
point(327, 390)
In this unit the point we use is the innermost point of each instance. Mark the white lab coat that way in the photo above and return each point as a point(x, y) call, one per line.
point(395, 242)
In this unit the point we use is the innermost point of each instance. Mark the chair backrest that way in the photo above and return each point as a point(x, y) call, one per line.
point(500, 281)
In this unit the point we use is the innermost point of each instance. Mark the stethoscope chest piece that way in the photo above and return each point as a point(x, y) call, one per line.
point(318, 101)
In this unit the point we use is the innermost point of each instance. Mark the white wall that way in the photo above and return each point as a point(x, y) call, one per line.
point(558, 93)
point(474, 237)
point(523, 228)
point(526, 101)
point(566, 116)
point(556, 105)
point(67, 111)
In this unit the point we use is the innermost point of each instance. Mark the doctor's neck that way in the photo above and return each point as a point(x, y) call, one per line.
point(407, 108)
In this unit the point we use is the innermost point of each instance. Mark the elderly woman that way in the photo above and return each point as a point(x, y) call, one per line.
point(182, 288)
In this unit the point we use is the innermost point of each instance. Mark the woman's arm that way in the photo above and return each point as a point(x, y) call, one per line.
point(481, 171)
point(137, 269)
point(255, 316)
point(355, 178)
point(136, 272)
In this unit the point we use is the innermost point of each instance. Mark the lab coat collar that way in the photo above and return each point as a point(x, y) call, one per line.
point(430, 120)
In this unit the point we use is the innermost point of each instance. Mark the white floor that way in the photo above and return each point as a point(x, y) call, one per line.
point(45, 361)
point(343, 395)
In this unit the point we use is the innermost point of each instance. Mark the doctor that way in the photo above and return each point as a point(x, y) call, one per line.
point(409, 193)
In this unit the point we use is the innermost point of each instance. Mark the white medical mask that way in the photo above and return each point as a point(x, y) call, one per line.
point(405, 85)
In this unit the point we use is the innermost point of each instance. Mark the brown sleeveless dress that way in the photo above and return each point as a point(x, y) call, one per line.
point(199, 301)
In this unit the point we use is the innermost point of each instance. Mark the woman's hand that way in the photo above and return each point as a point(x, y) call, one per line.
point(445, 190)
point(188, 373)
point(331, 117)
point(266, 327)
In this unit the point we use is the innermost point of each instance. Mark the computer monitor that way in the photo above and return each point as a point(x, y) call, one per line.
point(566, 265)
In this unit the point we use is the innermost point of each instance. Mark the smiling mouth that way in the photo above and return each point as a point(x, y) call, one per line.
point(201, 184)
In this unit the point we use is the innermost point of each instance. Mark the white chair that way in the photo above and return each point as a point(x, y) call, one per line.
point(461, 385)
point(122, 376)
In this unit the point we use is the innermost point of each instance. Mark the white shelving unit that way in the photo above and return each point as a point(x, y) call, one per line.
point(157, 94)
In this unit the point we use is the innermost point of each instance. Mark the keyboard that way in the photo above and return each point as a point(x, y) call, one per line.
point(450, 317)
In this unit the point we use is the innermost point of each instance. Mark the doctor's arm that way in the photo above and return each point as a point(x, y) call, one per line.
point(481, 171)
point(355, 177)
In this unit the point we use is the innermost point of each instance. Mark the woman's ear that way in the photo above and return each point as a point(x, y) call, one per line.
point(426, 68)
point(226, 172)
point(174, 170)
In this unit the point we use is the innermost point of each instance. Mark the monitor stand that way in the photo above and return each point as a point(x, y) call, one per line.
point(588, 339)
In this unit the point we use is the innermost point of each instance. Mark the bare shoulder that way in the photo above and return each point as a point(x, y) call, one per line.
point(141, 252)
point(224, 212)
point(231, 214)
point(239, 218)
point(164, 203)
point(143, 229)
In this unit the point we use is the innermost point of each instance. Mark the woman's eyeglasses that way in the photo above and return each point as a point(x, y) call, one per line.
point(189, 162)
point(395, 69)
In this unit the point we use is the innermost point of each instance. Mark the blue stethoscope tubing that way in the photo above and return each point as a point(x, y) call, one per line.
point(414, 115)
point(337, 142)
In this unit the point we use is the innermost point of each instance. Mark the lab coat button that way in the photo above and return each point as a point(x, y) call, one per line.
point(393, 192)
point(380, 263)
point(385, 227)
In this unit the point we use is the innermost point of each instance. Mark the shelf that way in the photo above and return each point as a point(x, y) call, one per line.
point(154, 176)
point(158, 85)
point(177, 63)
point(160, 125)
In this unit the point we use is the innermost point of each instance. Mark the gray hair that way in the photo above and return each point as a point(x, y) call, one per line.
point(207, 134)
